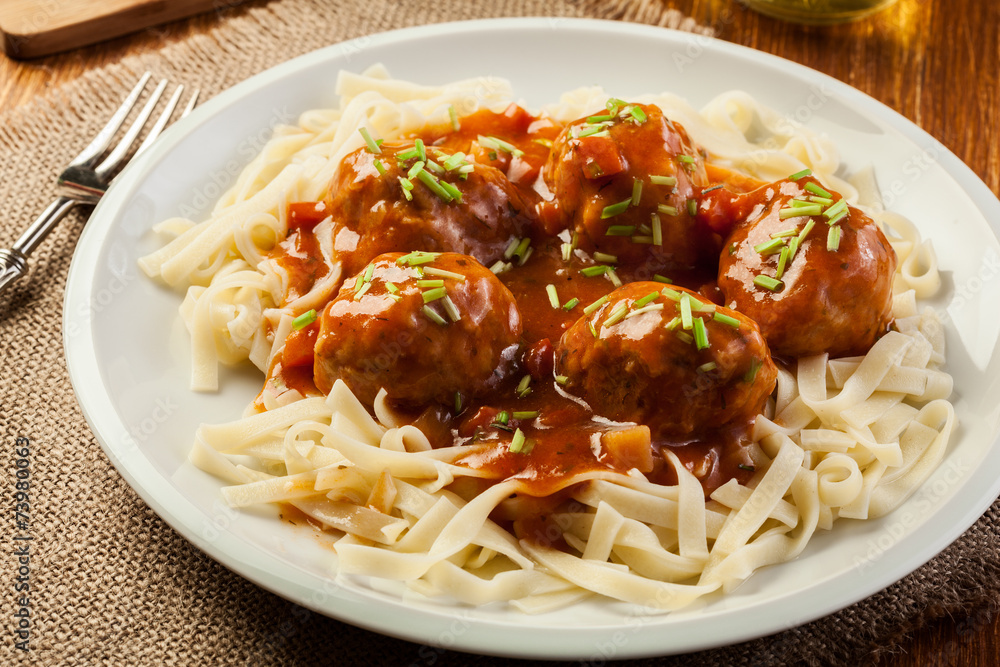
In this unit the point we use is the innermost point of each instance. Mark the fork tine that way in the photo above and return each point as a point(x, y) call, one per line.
point(191, 103)
point(160, 123)
point(100, 143)
point(117, 154)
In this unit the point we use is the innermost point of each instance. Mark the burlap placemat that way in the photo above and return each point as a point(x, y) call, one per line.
point(111, 583)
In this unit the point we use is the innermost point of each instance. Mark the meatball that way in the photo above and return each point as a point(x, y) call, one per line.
point(424, 326)
point(633, 359)
point(834, 291)
point(617, 175)
point(383, 203)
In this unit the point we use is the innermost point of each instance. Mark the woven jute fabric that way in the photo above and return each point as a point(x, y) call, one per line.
point(110, 582)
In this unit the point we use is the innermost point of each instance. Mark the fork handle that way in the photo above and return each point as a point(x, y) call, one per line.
point(13, 262)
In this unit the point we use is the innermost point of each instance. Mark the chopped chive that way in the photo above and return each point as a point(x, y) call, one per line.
point(835, 210)
point(657, 229)
point(571, 304)
point(662, 279)
point(795, 211)
point(522, 247)
point(594, 306)
point(791, 231)
point(793, 247)
point(663, 180)
point(692, 207)
point(613, 277)
point(421, 151)
point(833, 239)
point(651, 308)
point(620, 230)
point(373, 147)
point(526, 414)
point(432, 315)
point(714, 187)
point(817, 190)
point(430, 283)
point(605, 257)
point(418, 257)
point(407, 186)
point(444, 274)
point(433, 185)
point(517, 442)
point(687, 320)
point(596, 270)
point(708, 367)
point(379, 167)
point(562, 379)
point(615, 209)
point(769, 247)
point(455, 193)
point(451, 309)
point(511, 248)
point(782, 262)
point(726, 319)
point(304, 320)
point(700, 334)
point(840, 216)
point(417, 167)
point(499, 267)
point(639, 303)
point(499, 144)
point(408, 154)
point(361, 292)
point(434, 294)
point(453, 116)
point(550, 289)
point(767, 282)
point(801, 174)
point(667, 209)
point(805, 231)
point(636, 191)
point(671, 294)
point(616, 316)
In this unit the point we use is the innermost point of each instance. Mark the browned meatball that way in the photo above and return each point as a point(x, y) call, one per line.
point(833, 295)
point(396, 211)
point(612, 175)
point(423, 330)
point(633, 360)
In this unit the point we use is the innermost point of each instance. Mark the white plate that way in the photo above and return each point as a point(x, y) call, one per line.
point(128, 355)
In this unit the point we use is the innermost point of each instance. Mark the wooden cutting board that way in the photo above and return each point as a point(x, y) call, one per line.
point(33, 28)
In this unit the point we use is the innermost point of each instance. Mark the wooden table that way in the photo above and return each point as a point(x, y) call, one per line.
point(937, 62)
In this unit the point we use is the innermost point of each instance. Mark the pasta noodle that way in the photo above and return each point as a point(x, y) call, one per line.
point(841, 438)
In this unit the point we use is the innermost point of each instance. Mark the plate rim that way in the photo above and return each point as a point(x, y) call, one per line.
point(82, 366)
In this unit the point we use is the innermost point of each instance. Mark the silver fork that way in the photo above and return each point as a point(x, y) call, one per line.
point(85, 179)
